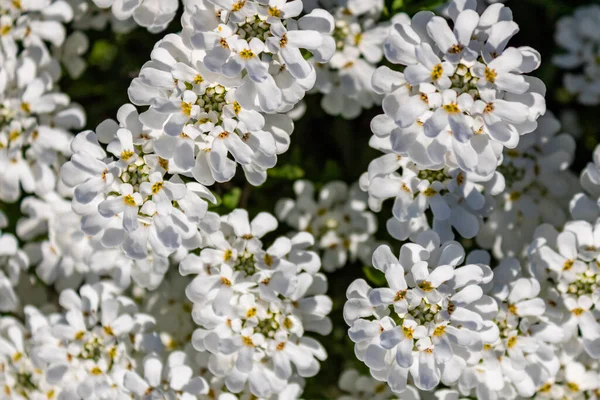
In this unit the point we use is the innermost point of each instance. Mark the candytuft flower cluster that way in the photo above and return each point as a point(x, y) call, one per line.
point(188, 249)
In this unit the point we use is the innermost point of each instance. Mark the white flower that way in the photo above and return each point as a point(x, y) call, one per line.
point(13, 261)
point(346, 83)
point(170, 380)
point(568, 262)
point(339, 221)
point(254, 306)
point(360, 387)
point(577, 35)
point(434, 313)
point(450, 107)
point(538, 185)
point(152, 14)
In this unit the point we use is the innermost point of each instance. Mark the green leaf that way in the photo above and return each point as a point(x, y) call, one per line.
point(103, 54)
point(375, 276)
point(288, 172)
point(232, 199)
point(397, 5)
point(423, 5)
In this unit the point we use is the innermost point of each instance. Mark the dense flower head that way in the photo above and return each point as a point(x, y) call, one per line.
point(567, 265)
point(141, 190)
point(539, 186)
point(36, 123)
point(134, 264)
point(524, 355)
point(32, 24)
point(338, 219)
point(457, 200)
point(462, 96)
point(345, 81)
point(428, 321)
point(13, 261)
point(254, 305)
point(577, 35)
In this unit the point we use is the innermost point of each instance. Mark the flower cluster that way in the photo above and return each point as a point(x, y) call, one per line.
point(567, 263)
point(345, 81)
point(339, 221)
point(153, 15)
point(36, 120)
point(100, 346)
point(428, 322)
point(254, 305)
point(500, 334)
point(133, 201)
point(462, 97)
point(578, 36)
point(122, 277)
point(539, 186)
point(219, 88)
point(457, 200)
point(584, 205)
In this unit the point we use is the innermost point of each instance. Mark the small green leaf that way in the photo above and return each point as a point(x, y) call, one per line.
point(374, 276)
point(103, 54)
point(397, 5)
point(232, 199)
point(423, 5)
point(288, 172)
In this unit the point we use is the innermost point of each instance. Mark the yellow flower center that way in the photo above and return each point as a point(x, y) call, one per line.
point(186, 108)
point(268, 259)
point(225, 281)
point(400, 295)
point(426, 286)
point(247, 54)
point(439, 331)
point(546, 388)
point(157, 187)
point(238, 6)
point(577, 311)
point(274, 12)
point(129, 200)
point(568, 265)
point(429, 192)
point(456, 48)
point(512, 341)
point(437, 72)
point(237, 108)
point(126, 155)
point(490, 75)
point(358, 39)
point(573, 387)
point(452, 108)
